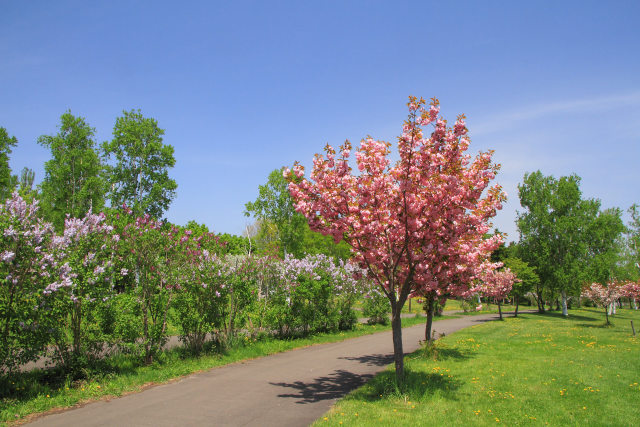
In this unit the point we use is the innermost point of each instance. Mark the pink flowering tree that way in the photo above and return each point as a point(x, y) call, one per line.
point(631, 290)
point(496, 283)
point(602, 296)
point(87, 258)
point(28, 264)
point(411, 225)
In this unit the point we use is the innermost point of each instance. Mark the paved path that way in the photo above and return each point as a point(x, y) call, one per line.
point(286, 389)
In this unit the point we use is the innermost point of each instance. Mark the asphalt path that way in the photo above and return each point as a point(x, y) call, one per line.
point(293, 388)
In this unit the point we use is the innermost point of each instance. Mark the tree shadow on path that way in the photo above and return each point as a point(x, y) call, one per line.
point(332, 386)
point(372, 359)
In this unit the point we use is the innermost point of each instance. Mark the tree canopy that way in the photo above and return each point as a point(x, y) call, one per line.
point(140, 176)
point(73, 182)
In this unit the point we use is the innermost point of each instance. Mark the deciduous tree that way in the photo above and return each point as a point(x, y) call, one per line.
point(140, 176)
point(73, 182)
point(415, 225)
point(6, 179)
point(565, 237)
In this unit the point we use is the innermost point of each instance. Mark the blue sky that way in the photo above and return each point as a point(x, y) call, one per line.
point(242, 88)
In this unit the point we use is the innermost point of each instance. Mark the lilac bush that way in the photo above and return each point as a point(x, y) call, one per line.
point(29, 264)
point(88, 246)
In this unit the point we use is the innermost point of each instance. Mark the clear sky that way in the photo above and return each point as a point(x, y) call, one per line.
point(243, 88)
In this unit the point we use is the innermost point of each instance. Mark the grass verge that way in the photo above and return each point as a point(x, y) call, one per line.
point(40, 391)
point(531, 370)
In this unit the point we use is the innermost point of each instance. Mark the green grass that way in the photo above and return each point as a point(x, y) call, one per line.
point(531, 370)
point(40, 391)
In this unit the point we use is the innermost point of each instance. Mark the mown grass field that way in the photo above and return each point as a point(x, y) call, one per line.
point(40, 391)
point(531, 370)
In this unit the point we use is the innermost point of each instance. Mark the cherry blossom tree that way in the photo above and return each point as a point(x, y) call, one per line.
point(631, 290)
point(602, 296)
point(496, 283)
point(416, 226)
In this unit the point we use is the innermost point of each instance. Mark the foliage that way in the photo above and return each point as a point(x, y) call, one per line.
point(6, 179)
point(280, 225)
point(28, 264)
point(151, 252)
point(274, 206)
point(234, 245)
point(88, 250)
point(630, 263)
point(25, 185)
point(416, 227)
point(527, 281)
point(560, 233)
point(312, 294)
point(376, 307)
point(73, 182)
point(140, 176)
point(201, 299)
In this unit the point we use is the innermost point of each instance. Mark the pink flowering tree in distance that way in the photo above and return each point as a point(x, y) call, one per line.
point(631, 290)
point(410, 225)
point(496, 283)
point(602, 296)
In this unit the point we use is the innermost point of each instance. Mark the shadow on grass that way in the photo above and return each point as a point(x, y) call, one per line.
point(416, 385)
point(596, 326)
point(572, 316)
point(333, 386)
point(24, 386)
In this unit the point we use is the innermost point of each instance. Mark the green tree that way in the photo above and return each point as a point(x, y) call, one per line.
point(630, 267)
point(73, 181)
point(7, 180)
point(555, 233)
point(278, 221)
point(528, 279)
point(25, 184)
point(140, 176)
point(274, 206)
point(605, 246)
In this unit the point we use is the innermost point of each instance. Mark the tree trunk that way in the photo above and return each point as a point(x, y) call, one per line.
point(500, 309)
point(427, 332)
point(606, 312)
point(517, 300)
point(540, 303)
point(398, 353)
point(565, 311)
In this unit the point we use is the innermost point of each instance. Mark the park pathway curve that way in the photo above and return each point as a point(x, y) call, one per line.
point(293, 388)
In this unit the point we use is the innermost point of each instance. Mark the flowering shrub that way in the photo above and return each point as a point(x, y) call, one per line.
point(201, 299)
point(28, 265)
point(376, 307)
point(150, 252)
point(313, 294)
point(87, 251)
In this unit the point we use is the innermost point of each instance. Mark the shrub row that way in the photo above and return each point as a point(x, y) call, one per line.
point(119, 282)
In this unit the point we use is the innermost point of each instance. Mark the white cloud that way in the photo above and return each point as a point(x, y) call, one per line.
point(504, 120)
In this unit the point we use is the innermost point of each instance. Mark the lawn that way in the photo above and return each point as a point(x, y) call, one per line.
point(531, 370)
